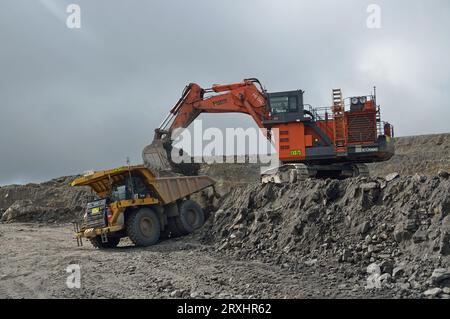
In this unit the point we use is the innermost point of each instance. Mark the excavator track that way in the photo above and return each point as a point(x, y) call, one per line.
point(292, 173)
point(287, 173)
point(361, 170)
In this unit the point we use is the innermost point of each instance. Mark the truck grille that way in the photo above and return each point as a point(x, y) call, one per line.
point(95, 214)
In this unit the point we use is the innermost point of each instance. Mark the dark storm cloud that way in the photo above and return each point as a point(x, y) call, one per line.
point(73, 100)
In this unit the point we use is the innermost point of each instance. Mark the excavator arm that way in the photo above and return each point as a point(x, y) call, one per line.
point(242, 97)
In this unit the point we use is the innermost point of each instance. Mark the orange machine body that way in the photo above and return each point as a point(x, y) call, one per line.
point(295, 138)
point(292, 141)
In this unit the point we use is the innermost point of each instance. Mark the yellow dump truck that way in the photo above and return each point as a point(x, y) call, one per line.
point(132, 202)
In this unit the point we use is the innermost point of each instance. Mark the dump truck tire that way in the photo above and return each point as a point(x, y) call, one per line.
point(111, 243)
point(191, 217)
point(143, 227)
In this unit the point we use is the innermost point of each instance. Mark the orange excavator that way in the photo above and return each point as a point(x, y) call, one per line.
point(333, 141)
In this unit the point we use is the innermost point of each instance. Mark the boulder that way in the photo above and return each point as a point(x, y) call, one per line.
point(398, 272)
point(363, 228)
point(391, 176)
point(373, 269)
point(440, 275)
point(20, 211)
point(420, 236)
point(443, 174)
point(373, 281)
point(369, 186)
point(433, 292)
point(385, 278)
point(444, 242)
point(401, 233)
point(387, 267)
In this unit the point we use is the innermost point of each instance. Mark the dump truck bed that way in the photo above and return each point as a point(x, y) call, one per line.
point(171, 189)
point(168, 189)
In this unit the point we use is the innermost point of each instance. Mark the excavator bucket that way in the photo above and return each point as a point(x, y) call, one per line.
point(156, 159)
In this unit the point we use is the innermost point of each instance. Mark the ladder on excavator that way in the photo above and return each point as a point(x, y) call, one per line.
point(340, 136)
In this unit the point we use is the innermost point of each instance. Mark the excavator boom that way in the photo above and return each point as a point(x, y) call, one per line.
point(242, 97)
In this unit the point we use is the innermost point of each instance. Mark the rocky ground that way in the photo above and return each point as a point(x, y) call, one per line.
point(35, 257)
point(391, 233)
point(382, 237)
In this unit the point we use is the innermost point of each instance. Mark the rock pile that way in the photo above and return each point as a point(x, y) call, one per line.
point(52, 201)
point(391, 233)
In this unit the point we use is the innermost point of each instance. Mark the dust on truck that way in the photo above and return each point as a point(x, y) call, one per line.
point(132, 202)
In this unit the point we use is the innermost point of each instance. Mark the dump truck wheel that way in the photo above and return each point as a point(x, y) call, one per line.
point(143, 227)
point(191, 217)
point(111, 243)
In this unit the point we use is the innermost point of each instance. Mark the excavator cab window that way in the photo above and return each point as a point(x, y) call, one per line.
point(285, 107)
point(283, 104)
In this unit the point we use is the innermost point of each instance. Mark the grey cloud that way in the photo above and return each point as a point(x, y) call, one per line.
point(73, 100)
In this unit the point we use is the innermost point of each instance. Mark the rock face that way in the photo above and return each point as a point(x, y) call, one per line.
point(307, 215)
point(52, 201)
point(401, 226)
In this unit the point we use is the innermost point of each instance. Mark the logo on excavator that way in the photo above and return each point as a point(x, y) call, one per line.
point(360, 149)
point(220, 102)
point(296, 153)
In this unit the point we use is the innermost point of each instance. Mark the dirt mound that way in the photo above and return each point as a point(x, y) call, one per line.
point(402, 225)
point(52, 201)
point(424, 154)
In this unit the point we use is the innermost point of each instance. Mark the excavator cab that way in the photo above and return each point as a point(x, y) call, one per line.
point(285, 107)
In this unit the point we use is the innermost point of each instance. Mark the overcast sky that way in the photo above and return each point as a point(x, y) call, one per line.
point(74, 100)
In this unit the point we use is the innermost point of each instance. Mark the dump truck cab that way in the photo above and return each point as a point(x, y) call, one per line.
point(132, 202)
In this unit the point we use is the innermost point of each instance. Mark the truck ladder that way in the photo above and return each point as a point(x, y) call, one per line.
point(340, 136)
